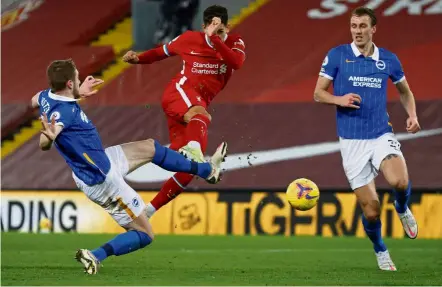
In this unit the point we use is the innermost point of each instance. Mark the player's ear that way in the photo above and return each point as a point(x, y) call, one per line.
point(70, 84)
point(374, 29)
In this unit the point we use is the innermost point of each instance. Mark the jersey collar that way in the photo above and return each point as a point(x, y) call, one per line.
point(61, 98)
point(375, 55)
point(208, 40)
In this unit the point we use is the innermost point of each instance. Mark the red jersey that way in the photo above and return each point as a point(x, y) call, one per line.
point(208, 62)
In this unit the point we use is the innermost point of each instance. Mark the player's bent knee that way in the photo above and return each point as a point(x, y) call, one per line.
point(372, 215)
point(400, 184)
point(146, 233)
point(148, 147)
point(372, 210)
point(145, 239)
point(194, 111)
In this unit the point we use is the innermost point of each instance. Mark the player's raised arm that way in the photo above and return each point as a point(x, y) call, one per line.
point(87, 87)
point(49, 132)
point(234, 57)
point(34, 101)
point(148, 57)
point(172, 48)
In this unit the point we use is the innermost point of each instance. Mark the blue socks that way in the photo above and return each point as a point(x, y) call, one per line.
point(373, 230)
point(174, 161)
point(402, 198)
point(122, 244)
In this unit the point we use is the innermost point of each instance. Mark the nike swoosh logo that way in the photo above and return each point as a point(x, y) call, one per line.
point(309, 197)
point(348, 61)
point(152, 173)
point(195, 53)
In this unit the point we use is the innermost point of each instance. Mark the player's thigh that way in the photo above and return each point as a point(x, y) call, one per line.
point(116, 197)
point(138, 153)
point(177, 133)
point(180, 103)
point(389, 159)
point(368, 199)
point(356, 160)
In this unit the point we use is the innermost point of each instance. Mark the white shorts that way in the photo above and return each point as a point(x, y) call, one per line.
point(119, 199)
point(362, 158)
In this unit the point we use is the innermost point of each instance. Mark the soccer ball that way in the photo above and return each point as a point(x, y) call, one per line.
point(302, 194)
point(45, 225)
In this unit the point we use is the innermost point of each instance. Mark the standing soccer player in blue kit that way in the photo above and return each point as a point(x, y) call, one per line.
point(359, 72)
point(100, 172)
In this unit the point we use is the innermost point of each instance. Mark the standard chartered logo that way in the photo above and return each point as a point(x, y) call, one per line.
point(223, 69)
point(366, 82)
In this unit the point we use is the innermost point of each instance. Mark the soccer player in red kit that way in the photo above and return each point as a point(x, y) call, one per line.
point(209, 59)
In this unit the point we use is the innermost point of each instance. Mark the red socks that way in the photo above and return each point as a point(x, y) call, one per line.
point(196, 131)
point(171, 189)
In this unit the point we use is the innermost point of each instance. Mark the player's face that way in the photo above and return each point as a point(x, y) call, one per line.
point(361, 30)
point(222, 31)
point(76, 85)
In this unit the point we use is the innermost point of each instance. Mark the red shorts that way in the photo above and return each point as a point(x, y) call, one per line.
point(177, 100)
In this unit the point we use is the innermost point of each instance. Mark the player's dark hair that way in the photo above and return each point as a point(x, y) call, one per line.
point(362, 11)
point(59, 73)
point(215, 11)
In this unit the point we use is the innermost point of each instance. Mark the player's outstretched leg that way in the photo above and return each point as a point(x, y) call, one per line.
point(369, 201)
point(174, 161)
point(395, 172)
point(177, 183)
point(138, 236)
point(142, 152)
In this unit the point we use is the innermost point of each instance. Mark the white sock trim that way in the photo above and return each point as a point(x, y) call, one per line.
point(194, 144)
point(150, 210)
point(177, 182)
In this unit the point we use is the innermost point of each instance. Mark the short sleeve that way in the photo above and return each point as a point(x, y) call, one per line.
point(64, 116)
point(397, 74)
point(175, 47)
point(329, 67)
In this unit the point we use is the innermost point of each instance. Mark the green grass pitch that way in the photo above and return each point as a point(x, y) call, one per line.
point(47, 259)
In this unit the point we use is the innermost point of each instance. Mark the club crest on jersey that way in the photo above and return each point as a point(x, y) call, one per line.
point(223, 69)
point(55, 115)
point(381, 65)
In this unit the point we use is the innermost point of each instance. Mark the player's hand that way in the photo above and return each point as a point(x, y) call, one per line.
point(413, 125)
point(87, 87)
point(131, 57)
point(214, 27)
point(48, 128)
point(349, 101)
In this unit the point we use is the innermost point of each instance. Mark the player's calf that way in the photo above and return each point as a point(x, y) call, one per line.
point(396, 174)
point(198, 121)
point(138, 236)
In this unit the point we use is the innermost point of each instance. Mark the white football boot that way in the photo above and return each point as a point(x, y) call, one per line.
point(89, 261)
point(192, 153)
point(384, 261)
point(215, 161)
point(408, 223)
